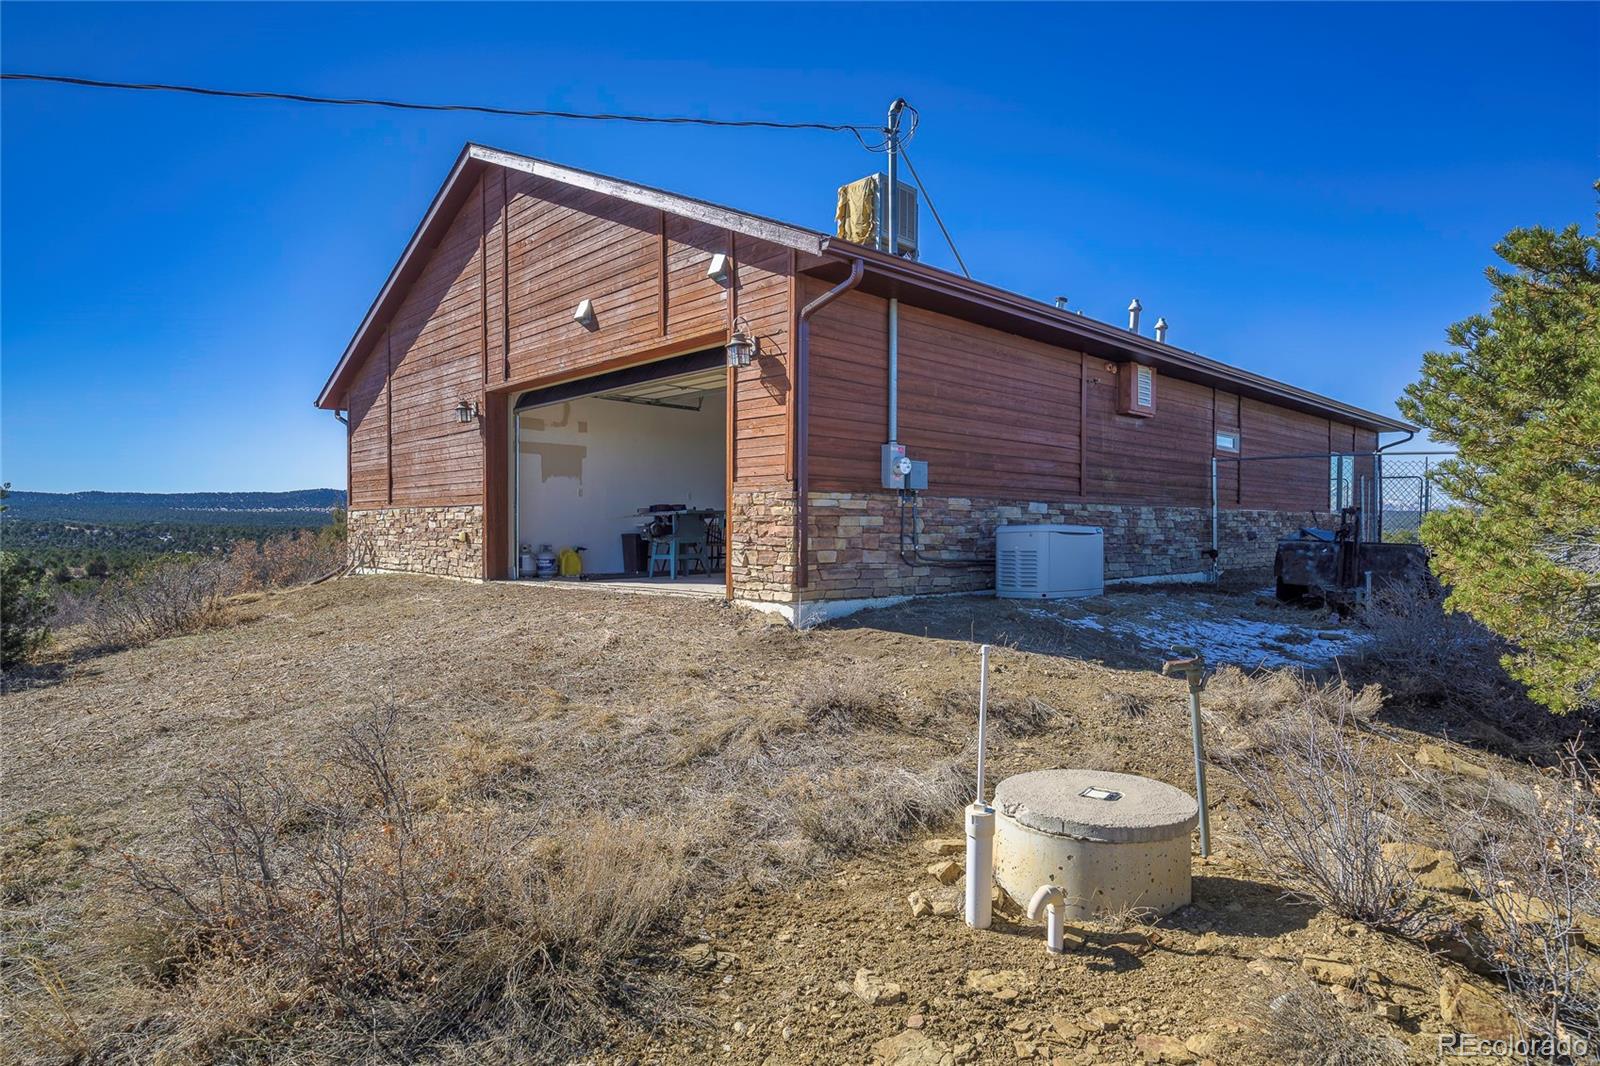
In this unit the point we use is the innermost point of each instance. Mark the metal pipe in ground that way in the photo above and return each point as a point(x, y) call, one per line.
point(1192, 666)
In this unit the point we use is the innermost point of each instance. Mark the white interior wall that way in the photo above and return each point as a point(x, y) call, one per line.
point(587, 465)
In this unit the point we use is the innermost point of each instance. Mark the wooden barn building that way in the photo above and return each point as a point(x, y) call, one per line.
point(548, 365)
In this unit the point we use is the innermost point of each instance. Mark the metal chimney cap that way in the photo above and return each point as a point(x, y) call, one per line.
point(1136, 305)
point(1061, 303)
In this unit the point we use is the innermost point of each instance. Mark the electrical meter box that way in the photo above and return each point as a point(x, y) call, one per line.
point(917, 480)
point(895, 465)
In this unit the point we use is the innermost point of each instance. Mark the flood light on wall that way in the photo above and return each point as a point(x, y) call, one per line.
point(718, 270)
point(467, 411)
point(742, 345)
point(584, 315)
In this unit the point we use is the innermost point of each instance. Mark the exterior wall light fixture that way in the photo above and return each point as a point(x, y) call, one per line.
point(742, 345)
point(467, 411)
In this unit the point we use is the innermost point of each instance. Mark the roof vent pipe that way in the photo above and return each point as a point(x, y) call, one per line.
point(1133, 315)
point(1061, 303)
point(1161, 331)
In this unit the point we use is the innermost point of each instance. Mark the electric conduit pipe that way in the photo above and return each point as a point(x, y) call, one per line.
point(980, 820)
point(802, 413)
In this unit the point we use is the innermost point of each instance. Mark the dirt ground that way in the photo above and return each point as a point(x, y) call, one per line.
point(564, 704)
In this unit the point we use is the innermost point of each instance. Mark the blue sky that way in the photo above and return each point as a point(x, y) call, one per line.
point(1307, 191)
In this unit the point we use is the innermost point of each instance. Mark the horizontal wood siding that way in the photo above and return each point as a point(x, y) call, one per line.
point(1016, 418)
point(493, 310)
point(1282, 484)
point(437, 352)
point(761, 446)
point(849, 389)
point(1160, 458)
point(368, 404)
point(696, 304)
point(998, 415)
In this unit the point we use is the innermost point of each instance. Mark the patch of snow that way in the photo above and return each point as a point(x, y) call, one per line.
point(1223, 638)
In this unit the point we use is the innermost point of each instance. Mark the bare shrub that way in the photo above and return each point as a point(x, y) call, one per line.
point(166, 598)
point(1319, 814)
point(1428, 657)
point(336, 912)
point(1541, 872)
point(1307, 1027)
point(847, 703)
point(282, 561)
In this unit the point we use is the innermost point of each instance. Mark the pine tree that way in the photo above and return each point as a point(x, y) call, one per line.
point(1518, 395)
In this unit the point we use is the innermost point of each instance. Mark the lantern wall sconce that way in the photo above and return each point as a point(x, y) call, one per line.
point(742, 345)
point(584, 315)
point(718, 270)
point(467, 411)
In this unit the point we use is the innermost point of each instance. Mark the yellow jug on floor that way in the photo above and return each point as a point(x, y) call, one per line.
point(571, 563)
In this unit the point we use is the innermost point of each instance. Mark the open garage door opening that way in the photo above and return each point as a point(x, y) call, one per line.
point(623, 477)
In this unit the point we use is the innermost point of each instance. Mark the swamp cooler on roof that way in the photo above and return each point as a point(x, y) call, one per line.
point(1049, 561)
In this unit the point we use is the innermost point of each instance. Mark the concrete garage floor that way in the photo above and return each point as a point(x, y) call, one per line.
point(709, 586)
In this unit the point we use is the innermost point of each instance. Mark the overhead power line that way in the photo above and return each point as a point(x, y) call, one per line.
point(860, 132)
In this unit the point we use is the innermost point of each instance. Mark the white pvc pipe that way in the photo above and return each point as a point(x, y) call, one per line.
point(980, 865)
point(980, 819)
point(1052, 902)
point(983, 714)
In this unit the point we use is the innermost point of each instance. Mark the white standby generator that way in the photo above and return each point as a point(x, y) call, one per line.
point(1049, 561)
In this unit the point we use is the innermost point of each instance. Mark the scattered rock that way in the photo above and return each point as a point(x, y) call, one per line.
point(1472, 1010)
point(698, 956)
point(915, 1021)
point(1436, 757)
point(944, 908)
point(908, 1048)
point(1024, 1049)
point(945, 846)
point(1101, 1020)
point(1391, 1011)
point(946, 872)
point(1157, 1048)
point(920, 907)
point(1435, 870)
point(1330, 971)
point(1350, 999)
point(1067, 1029)
point(874, 990)
point(1205, 1045)
point(998, 982)
point(1210, 944)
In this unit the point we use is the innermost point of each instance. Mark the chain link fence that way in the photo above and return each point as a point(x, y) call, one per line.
point(1388, 493)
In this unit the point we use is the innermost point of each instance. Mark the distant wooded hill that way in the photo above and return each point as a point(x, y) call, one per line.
point(273, 510)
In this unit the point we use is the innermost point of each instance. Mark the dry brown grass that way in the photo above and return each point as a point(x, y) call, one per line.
point(332, 915)
point(677, 734)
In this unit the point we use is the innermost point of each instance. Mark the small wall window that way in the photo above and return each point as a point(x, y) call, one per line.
point(1227, 441)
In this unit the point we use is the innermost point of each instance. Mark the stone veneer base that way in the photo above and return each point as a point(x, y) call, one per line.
point(444, 541)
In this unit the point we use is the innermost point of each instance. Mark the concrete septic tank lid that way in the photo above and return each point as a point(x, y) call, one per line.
point(1095, 805)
